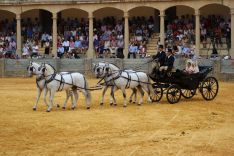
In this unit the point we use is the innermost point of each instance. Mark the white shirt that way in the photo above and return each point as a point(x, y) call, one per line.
point(35, 49)
point(66, 44)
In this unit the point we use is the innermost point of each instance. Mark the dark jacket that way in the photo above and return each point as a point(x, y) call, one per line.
point(160, 56)
point(169, 61)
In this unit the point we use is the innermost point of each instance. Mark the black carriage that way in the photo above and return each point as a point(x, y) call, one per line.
point(178, 83)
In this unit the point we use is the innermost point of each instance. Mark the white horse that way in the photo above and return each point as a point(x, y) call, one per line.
point(126, 79)
point(57, 82)
point(33, 69)
point(98, 70)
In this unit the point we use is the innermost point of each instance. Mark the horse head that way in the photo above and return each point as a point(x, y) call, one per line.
point(98, 69)
point(33, 68)
point(46, 70)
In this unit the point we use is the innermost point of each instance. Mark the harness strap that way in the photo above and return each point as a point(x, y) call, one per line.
point(38, 79)
point(71, 78)
point(138, 79)
point(61, 83)
point(51, 78)
point(128, 80)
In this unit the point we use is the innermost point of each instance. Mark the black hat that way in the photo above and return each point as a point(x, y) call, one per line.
point(169, 50)
point(160, 46)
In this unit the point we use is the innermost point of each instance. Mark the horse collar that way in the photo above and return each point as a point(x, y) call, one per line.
point(51, 78)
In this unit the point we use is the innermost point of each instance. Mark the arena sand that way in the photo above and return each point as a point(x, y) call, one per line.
point(192, 127)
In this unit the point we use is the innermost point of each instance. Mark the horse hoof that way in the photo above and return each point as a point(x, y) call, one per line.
point(130, 101)
point(134, 102)
point(139, 104)
point(63, 107)
point(124, 106)
point(88, 107)
point(115, 104)
point(47, 110)
point(58, 105)
point(73, 108)
point(111, 104)
point(101, 104)
point(34, 109)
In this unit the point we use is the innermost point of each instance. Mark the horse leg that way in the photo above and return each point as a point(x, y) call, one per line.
point(75, 98)
point(67, 97)
point(148, 90)
point(87, 97)
point(142, 94)
point(113, 90)
point(134, 93)
point(103, 93)
point(71, 94)
point(45, 94)
point(52, 92)
point(112, 96)
point(124, 95)
point(38, 96)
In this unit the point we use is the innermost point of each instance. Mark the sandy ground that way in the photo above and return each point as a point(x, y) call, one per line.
point(192, 127)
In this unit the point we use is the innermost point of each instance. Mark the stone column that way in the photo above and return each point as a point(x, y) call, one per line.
point(18, 35)
point(162, 27)
point(55, 35)
point(126, 34)
point(197, 32)
point(232, 33)
point(90, 52)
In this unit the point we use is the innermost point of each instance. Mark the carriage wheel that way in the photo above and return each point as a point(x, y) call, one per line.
point(188, 94)
point(173, 94)
point(158, 93)
point(209, 88)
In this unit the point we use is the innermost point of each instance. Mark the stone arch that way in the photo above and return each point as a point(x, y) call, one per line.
point(215, 9)
point(41, 17)
point(146, 12)
point(138, 6)
point(7, 14)
point(112, 11)
point(7, 17)
point(83, 12)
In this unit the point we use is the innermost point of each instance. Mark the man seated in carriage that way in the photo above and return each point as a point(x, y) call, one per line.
point(169, 62)
point(160, 56)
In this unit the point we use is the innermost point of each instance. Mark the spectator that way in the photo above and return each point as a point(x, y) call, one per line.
point(60, 51)
point(132, 50)
point(25, 51)
point(47, 48)
point(35, 49)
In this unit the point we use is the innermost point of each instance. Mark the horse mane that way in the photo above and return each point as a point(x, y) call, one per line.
point(114, 65)
point(51, 66)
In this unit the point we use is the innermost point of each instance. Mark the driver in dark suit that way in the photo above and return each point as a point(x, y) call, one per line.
point(160, 56)
point(169, 62)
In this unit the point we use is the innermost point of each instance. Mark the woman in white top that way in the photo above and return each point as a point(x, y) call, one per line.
point(25, 50)
point(35, 49)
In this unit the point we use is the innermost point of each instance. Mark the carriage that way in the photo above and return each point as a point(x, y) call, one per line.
point(178, 83)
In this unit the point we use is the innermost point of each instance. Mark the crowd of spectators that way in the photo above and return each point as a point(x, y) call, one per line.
point(141, 29)
point(180, 33)
point(215, 28)
point(72, 37)
point(108, 39)
point(8, 39)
